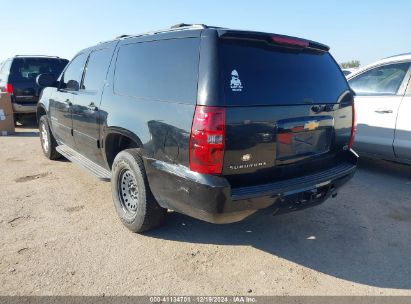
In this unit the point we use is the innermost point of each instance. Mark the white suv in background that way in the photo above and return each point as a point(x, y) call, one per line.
point(383, 108)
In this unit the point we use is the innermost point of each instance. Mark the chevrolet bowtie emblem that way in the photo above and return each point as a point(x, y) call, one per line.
point(246, 157)
point(311, 125)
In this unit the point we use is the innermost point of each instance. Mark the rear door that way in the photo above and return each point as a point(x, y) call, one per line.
point(402, 140)
point(62, 100)
point(86, 113)
point(379, 92)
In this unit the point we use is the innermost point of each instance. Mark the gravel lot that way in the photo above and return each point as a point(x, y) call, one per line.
point(59, 235)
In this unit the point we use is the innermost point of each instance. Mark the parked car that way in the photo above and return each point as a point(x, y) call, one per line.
point(383, 106)
point(18, 77)
point(210, 122)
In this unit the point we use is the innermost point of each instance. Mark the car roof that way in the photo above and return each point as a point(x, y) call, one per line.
point(175, 28)
point(32, 56)
point(37, 56)
point(182, 27)
point(391, 59)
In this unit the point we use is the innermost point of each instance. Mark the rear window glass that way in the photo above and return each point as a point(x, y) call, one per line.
point(159, 70)
point(27, 69)
point(255, 73)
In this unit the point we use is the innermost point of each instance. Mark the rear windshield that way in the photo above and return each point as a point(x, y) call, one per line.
point(260, 74)
point(27, 69)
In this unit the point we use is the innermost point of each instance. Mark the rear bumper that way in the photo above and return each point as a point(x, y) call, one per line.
point(210, 198)
point(24, 108)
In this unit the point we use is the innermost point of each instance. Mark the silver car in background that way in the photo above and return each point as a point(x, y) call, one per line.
point(383, 108)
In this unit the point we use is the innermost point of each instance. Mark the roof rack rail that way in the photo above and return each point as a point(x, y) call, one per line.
point(180, 25)
point(176, 27)
point(47, 56)
point(122, 36)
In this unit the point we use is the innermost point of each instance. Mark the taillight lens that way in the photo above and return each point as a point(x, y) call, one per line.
point(353, 128)
point(8, 88)
point(207, 140)
point(290, 41)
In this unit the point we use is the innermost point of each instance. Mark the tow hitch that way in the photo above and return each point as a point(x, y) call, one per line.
point(293, 201)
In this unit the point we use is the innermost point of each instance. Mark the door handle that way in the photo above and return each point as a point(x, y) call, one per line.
point(383, 111)
point(92, 107)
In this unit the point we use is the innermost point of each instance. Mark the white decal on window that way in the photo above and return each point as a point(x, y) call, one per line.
point(235, 82)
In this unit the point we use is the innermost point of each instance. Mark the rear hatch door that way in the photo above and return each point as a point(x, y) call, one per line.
point(288, 108)
point(23, 75)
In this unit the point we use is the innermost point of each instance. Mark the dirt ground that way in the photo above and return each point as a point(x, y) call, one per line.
point(59, 235)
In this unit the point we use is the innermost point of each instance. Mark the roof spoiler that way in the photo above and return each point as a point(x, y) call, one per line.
point(281, 40)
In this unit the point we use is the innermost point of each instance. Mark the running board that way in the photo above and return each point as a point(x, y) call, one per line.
point(84, 162)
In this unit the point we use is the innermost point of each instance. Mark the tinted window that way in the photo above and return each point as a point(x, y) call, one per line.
point(262, 74)
point(72, 76)
point(160, 70)
point(27, 69)
point(96, 70)
point(380, 80)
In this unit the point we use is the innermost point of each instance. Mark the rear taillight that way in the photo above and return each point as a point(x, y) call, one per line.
point(353, 128)
point(207, 140)
point(8, 88)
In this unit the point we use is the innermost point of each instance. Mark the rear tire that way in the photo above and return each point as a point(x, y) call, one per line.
point(132, 197)
point(47, 140)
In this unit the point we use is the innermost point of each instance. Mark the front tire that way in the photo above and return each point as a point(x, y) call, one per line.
point(47, 140)
point(132, 197)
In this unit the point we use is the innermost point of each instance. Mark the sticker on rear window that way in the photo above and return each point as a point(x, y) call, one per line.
point(235, 83)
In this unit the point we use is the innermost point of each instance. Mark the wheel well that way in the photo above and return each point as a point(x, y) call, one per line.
point(40, 112)
point(115, 143)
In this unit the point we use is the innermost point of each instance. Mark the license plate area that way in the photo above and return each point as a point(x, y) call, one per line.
point(303, 137)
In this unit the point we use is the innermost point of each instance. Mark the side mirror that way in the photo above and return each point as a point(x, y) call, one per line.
point(46, 80)
point(72, 85)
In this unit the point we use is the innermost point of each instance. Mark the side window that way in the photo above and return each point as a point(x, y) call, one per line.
point(158, 70)
point(383, 80)
point(72, 76)
point(96, 70)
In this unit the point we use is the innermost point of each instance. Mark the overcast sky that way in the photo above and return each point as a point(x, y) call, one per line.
point(363, 30)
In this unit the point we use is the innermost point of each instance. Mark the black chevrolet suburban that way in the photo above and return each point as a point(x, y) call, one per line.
point(18, 78)
point(210, 122)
